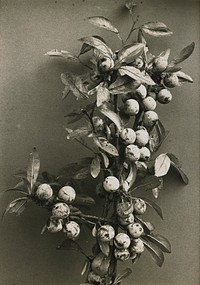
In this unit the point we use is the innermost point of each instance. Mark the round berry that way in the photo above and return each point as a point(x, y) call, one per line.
point(135, 230)
point(124, 209)
point(142, 137)
point(60, 210)
point(138, 63)
point(150, 118)
point(122, 240)
point(98, 123)
point(141, 91)
point(125, 221)
point(131, 107)
point(54, 225)
point(171, 80)
point(106, 64)
point(111, 184)
point(137, 246)
point(139, 206)
point(121, 254)
point(144, 153)
point(44, 192)
point(72, 229)
point(67, 194)
point(128, 135)
point(106, 233)
point(164, 96)
point(132, 152)
point(149, 103)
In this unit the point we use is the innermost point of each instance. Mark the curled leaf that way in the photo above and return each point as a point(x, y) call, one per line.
point(106, 111)
point(62, 53)
point(182, 77)
point(103, 144)
point(95, 167)
point(103, 22)
point(136, 74)
point(104, 247)
point(130, 52)
point(74, 134)
point(156, 29)
point(162, 165)
point(17, 206)
point(105, 159)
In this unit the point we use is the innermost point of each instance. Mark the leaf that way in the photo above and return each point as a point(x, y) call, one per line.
point(182, 77)
point(99, 45)
point(82, 199)
point(160, 242)
point(162, 165)
point(103, 95)
point(141, 38)
point(148, 183)
point(105, 159)
point(156, 29)
point(147, 226)
point(86, 266)
point(123, 85)
point(103, 22)
point(74, 134)
point(156, 254)
point(103, 144)
point(17, 206)
point(63, 53)
point(156, 190)
point(105, 110)
point(184, 54)
point(132, 175)
point(130, 52)
point(177, 167)
point(157, 136)
point(120, 276)
point(75, 84)
point(154, 206)
point(136, 74)
point(16, 190)
point(82, 173)
point(104, 247)
point(69, 244)
point(95, 167)
point(33, 168)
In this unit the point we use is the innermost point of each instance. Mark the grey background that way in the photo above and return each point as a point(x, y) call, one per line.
point(32, 114)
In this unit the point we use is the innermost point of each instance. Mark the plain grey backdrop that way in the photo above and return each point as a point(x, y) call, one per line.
point(32, 114)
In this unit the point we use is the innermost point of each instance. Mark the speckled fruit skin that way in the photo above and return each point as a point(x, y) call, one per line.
point(137, 246)
point(111, 184)
point(67, 194)
point(125, 221)
point(135, 230)
point(106, 64)
point(149, 103)
point(171, 80)
point(72, 229)
point(131, 107)
point(128, 135)
point(121, 254)
point(145, 153)
point(150, 118)
point(54, 225)
point(139, 206)
point(98, 123)
point(138, 63)
point(60, 210)
point(122, 240)
point(95, 278)
point(44, 192)
point(106, 233)
point(164, 96)
point(132, 152)
point(124, 209)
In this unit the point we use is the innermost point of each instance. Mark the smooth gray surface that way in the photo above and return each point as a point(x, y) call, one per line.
point(32, 114)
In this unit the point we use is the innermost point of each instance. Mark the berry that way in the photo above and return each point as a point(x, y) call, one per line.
point(150, 118)
point(131, 107)
point(124, 209)
point(60, 211)
point(98, 123)
point(144, 153)
point(137, 246)
point(171, 80)
point(135, 230)
point(138, 63)
point(67, 194)
point(106, 64)
point(132, 152)
point(128, 135)
point(141, 91)
point(125, 221)
point(142, 137)
point(72, 229)
point(164, 96)
point(54, 225)
point(139, 206)
point(44, 192)
point(111, 184)
point(121, 254)
point(122, 240)
point(149, 103)
point(106, 233)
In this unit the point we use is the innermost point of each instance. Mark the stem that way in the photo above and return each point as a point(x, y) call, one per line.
point(97, 219)
point(132, 28)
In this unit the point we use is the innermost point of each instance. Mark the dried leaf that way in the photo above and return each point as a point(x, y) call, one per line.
point(63, 53)
point(75, 84)
point(136, 74)
point(95, 167)
point(162, 165)
point(154, 206)
point(106, 111)
point(156, 29)
point(156, 254)
point(33, 168)
point(130, 52)
point(17, 206)
point(160, 242)
point(103, 22)
point(103, 144)
point(148, 183)
point(182, 77)
point(184, 54)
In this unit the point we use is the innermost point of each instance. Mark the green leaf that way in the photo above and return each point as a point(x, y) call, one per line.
point(148, 183)
point(160, 242)
point(130, 52)
point(63, 53)
point(184, 54)
point(17, 206)
point(120, 276)
point(136, 74)
point(103, 95)
point(99, 45)
point(104, 247)
point(156, 29)
point(182, 77)
point(95, 167)
point(103, 144)
point(75, 84)
point(162, 165)
point(156, 254)
point(154, 206)
point(78, 133)
point(103, 22)
point(33, 168)
point(106, 111)
point(84, 200)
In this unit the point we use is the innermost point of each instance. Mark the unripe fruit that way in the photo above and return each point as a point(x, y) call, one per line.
point(131, 107)
point(137, 246)
point(171, 80)
point(126, 220)
point(124, 209)
point(95, 278)
point(164, 96)
point(72, 229)
point(142, 137)
point(141, 91)
point(135, 230)
point(122, 241)
point(150, 118)
point(106, 64)
point(106, 233)
point(144, 153)
point(139, 206)
point(132, 152)
point(54, 225)
point(60, 211)
point(128, 135)
point(111, 184)
point(138, 63)
point(149, 103)
point(98, 123)
point(44, 192)
point(160, 64)
point(121, 254)
point(67, 194)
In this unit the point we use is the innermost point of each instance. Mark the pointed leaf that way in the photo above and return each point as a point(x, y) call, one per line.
point(103, 95)
point(148, 183)
point(184, 77)
point(120, 276)
point(75, 84)
point(74, 134)
point(103, 22)
point(156, 254)
point(147, 226)
point(123, 85)
point(86, 266)
point(104, 247)
point(105, 110)
point(105, 159)
point(180, 171)
point(33, 168)
point(141, 38)
point(130, 52)
point(154, 206)
point(82, 173)
point(156, 29)
point(95, 167)
point(103, 144)
point(136, 74)
point(99, 45)
point(16, 206)
point(162, 165)
point(184, 54)
point(67, 55)
point(160, 242)
point(157, 136)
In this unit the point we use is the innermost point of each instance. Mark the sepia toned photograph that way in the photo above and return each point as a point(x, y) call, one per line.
point(99, 142)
